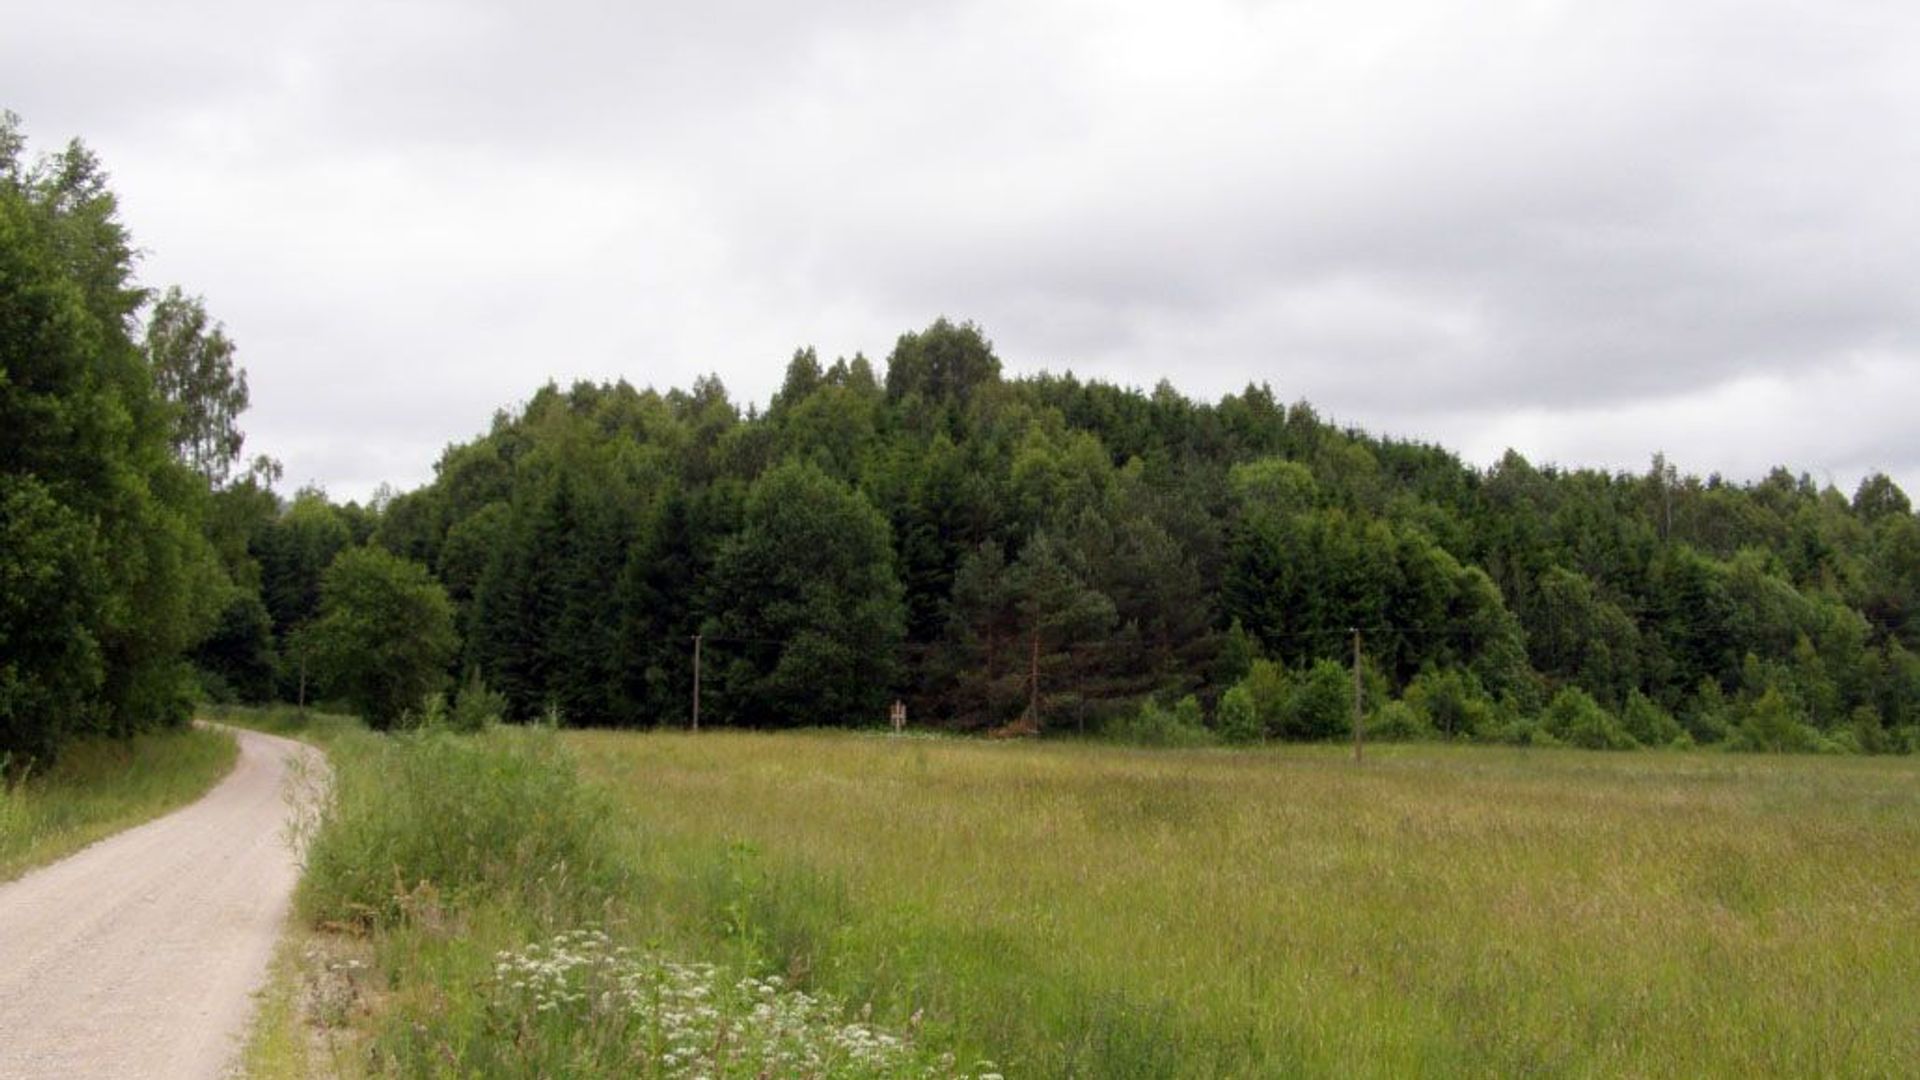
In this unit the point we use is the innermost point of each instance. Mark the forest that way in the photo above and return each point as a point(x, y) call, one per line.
point(995, 551)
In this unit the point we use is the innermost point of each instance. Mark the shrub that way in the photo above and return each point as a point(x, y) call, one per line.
point(1270, 687)
point(504, 814)
point(1707, 716)
point(1648, 723)
point(1868, 733)
point(1772, 724)
point(1236, 720)
point(1523, 732)
point(1321, 704)
point(1396, 721)
point(1153, 725)
point(476, 707)
point(1573, 717)
point(1451, 702)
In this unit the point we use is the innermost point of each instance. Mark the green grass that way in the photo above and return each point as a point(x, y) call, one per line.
point(472, 908)
point(99, 787)
point(316, 726)
point(1103, 912)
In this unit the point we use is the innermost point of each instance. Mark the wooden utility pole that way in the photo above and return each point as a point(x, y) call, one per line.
point(1033, 680)
point(1356, 694)
point(696, 682)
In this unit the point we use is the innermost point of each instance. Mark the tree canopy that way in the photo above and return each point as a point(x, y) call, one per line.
point(106, 578)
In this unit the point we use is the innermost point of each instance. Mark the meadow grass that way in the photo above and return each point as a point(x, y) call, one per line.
point(101, 786)
point(469, 909)
point(1104, 912)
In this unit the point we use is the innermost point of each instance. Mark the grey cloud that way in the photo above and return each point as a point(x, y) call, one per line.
point(1428, 217)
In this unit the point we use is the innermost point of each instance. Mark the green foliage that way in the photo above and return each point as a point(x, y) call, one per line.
point(295, 549)
point(1773, 724)
point(1576, 634)
point(105, 577)
point(475, 706)
point(1271, 688)
point(1574, 718)
point(191, 359)
point(547, 610)
point(1321, 705)
point(1450, 702)
point(1648, 723)
point(240, 653)
point(807, 606)
point(1156, 725)
point(1237, 719)
point(1274, 486)
point(1397, 721)
point(945, 363)
point(984, 547)
point(385, 633)
point(431, 818)
point(1238, 651)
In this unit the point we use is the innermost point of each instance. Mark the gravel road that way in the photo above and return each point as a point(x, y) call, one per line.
point(139, 956)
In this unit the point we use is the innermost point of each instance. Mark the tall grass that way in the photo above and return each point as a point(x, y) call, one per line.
point(102, 786)
point(480, 916)
point(1089, 911)
point(311, 725)
point(468, 820)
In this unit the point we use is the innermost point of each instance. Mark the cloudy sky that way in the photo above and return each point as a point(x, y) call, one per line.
point(1584, 230)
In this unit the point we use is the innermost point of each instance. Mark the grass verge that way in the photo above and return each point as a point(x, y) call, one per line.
point(100, 787)
point(471, 909)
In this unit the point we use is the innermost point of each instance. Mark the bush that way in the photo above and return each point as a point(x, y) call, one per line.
point(1156, 726)
point(1648, 723)
point(1451, 702)
point(1524, 732)
point(1236, 720)
point(460, 819)
point(1574, 718)
point(476, 707)
point(1321, 704)
point(1707, 715)
point(1396, 721)
point(1772, 724)
point(1868, 733)
point(1270, 687)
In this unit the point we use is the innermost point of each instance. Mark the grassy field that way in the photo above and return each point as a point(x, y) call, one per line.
point(1083, 910)
point(100, 787)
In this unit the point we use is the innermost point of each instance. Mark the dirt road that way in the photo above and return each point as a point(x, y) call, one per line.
point(139, 956)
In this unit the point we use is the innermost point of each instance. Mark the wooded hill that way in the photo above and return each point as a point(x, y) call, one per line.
point(984, 548)
point(979, 546)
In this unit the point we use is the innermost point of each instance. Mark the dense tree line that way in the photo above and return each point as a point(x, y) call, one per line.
point(1041, 552)
point(989, 549)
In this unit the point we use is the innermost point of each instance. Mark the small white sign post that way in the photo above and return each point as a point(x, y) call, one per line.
point(898, 714)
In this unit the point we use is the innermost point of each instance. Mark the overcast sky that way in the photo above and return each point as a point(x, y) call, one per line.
point(1587, 231)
